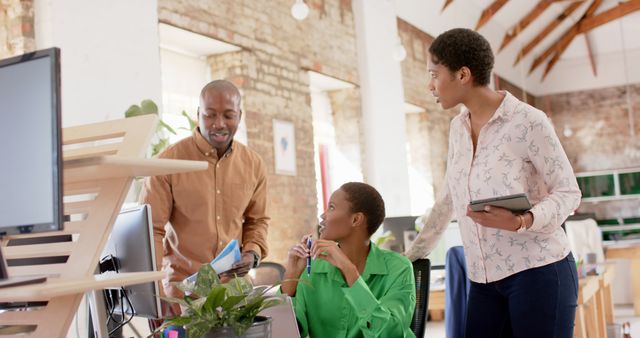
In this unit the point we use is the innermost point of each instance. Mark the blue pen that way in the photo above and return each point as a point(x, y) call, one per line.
point(309, 257)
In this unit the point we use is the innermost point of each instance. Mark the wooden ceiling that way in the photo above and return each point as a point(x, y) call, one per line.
point(587, 22)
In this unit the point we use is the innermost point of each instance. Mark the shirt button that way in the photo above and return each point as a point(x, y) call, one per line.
point(217, 166)
point(206, 154)
point(218, 217)
point(217, 191)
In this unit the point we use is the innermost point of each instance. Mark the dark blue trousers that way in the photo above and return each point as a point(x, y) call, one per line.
point(456, 292)
point(536, 303)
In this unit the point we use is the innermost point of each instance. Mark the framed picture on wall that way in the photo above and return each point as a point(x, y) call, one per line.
point(284, 147)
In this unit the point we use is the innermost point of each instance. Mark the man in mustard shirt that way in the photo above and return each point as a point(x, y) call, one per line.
point(354, 288)
point(196, 214)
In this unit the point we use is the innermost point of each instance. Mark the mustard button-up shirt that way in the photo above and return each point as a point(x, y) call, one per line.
point(196, 214)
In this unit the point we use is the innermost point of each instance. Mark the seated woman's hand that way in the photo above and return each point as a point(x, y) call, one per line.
point(331, 252)
point(297, 257)
point(296, 262)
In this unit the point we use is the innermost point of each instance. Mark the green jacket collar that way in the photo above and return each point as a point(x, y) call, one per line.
point(375, 265)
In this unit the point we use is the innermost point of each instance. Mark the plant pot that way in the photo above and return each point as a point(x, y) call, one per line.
point(261, 328)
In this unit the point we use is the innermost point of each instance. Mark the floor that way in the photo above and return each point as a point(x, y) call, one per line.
point(622, 313)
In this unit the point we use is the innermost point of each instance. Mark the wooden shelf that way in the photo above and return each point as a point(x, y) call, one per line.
point(621, 227)
point(61, 287)
point(112, 166)
point(610, 198)
point(100, 162)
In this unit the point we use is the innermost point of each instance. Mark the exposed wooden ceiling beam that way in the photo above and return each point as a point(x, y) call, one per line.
point(589, 23)
point(584, 25)
point(558, 48)
point(591, 58)
point(520, 26)
point(547, 30)
point(489, 12)
point(446, 4)
point(561, 44)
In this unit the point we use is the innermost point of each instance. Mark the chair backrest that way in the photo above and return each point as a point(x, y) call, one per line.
point(422, 273)
point(267, 273)
point(585, 237)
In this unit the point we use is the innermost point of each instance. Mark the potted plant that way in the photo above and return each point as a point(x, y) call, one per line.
point(215, 309)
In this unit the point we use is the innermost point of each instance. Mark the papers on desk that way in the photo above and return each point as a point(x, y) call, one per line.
point(224, 261)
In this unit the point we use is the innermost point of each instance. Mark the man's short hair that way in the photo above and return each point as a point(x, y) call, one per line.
point(222, 86)
point(461, 47)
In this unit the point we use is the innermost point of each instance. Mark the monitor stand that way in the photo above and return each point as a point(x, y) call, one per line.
point(6, 281)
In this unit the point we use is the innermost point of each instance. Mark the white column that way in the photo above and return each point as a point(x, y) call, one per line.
point(382, 104)
point(110, 54)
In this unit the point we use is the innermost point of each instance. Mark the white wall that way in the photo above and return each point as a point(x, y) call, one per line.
point(341, 168)
point(110, 54)
point(183, 77)
point(383, 110)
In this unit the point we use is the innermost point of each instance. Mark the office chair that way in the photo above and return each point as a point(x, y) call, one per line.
point(267, 273)
point(422, 273)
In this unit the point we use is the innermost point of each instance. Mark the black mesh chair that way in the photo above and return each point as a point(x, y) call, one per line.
point(422, 272)
point(267, 273)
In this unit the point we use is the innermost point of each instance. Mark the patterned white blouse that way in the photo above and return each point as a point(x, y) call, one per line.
point(517, 152)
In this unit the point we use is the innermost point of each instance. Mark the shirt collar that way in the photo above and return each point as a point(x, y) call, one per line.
point(375, 265)
point(500, 113)
point(205, 148)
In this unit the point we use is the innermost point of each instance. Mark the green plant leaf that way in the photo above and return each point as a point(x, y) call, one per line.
point(207, 277)
point(185, 286)
point(271, 302)
point(158, 147)
point(149, 107)
point(192, 123)
point(134, 110)
point(167, 127)
point(232, 301)
point(215, 298)
point(197, 331)
point(386, 236)
point(179, 321)
point(174, 300)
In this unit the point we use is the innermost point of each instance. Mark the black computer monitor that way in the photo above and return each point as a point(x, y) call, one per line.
point(131, 245)
point(30, 145)
point(400, 227)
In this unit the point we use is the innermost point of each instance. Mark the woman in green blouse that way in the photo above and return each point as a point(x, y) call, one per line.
point(354, 288)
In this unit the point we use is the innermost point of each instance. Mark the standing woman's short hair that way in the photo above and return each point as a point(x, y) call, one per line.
point(367, 200)
point(461, 47)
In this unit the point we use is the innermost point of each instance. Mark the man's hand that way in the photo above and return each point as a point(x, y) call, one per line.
point(495, 217)
point(170, 310)
point(241, 268)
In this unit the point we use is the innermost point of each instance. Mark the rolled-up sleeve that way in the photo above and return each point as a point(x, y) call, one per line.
point(550, 160)
point(389, 316)
point(256, 221)
point(437, 221)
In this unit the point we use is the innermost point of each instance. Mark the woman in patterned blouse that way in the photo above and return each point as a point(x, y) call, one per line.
point(523, 277)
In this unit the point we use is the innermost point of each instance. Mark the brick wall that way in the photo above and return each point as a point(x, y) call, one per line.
point(271, 72)
point(428, 132)
point(599, 124)
point(16, 27)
